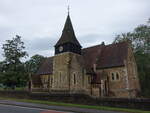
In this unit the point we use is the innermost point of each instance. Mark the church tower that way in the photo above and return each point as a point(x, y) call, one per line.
point(67, 70)
point(68, 41)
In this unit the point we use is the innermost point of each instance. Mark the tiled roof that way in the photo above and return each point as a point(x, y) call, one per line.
point(46, 67)
point(68, 35)
point(108, 56)
point(90, 55)
point(113, 55)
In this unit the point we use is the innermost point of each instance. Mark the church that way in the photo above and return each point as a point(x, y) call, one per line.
point(97, 71)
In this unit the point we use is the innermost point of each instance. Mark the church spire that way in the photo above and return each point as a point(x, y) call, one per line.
point(68, 35)
point(68, 40)
point(68, 9)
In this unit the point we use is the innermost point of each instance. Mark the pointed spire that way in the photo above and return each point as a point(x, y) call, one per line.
point(68, 9)
point(68, 35)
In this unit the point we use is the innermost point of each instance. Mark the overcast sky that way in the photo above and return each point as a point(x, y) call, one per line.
point(40, 22)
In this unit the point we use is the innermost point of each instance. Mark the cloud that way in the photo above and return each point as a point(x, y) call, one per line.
point(44, 43)
point(40, 22)
point(95, 39)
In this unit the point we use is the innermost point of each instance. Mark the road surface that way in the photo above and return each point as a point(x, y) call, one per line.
point(9, 106)
point(19, 109)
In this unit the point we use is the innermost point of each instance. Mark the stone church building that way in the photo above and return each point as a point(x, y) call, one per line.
point(98, 71)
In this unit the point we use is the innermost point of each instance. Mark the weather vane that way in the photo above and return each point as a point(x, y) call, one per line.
point(68, 7)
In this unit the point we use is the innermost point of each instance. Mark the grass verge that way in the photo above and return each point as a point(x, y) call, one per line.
point(76, 105)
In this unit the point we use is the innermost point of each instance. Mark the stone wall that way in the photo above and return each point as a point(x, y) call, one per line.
point(87, 84)
point(45, 81)
point(117, 81)
point(76, 73)
point(80, 99)
point(121, 81)
point(69, 74)
point(61, 72)
point(134, 85)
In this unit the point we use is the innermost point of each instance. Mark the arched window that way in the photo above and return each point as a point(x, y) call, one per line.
point(112, 76)
point(74, 77)
point(117, 76)
point(60, 76)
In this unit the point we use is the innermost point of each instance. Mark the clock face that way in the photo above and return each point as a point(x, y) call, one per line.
point(60, 48)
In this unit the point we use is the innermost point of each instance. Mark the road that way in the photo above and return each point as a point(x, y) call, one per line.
point(18, 109)
point(9, 106)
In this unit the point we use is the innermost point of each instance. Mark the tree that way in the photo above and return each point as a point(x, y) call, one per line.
point(139, 38)
point(32, 66)
point(143, 63)
point(13, 73)
point(13, 50)
point(140, 41)
point(34, 63)
point(123, 37)
point(1, 67)
point(1, 71)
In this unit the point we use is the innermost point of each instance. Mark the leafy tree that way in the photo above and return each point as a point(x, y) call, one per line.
point(123, 37)
point(33, 64)
point(1, 67)
point(13, 73)
point(13, 50)
point(1, 71)
point(143, 63)
point(140, 40)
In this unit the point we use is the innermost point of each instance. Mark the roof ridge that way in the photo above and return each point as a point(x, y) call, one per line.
point(92, 46)
point(49, 57)
point(105, 45)
point(124, 42)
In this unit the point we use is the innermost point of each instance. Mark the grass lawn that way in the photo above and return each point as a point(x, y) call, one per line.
point(76, 105)
point(16, 89)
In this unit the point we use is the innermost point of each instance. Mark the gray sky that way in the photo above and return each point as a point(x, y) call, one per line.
point(40, 22)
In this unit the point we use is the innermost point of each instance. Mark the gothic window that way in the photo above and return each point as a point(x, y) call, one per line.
point(60, 76)
point(74, 76)
point(117, 76)
point(112, 76)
